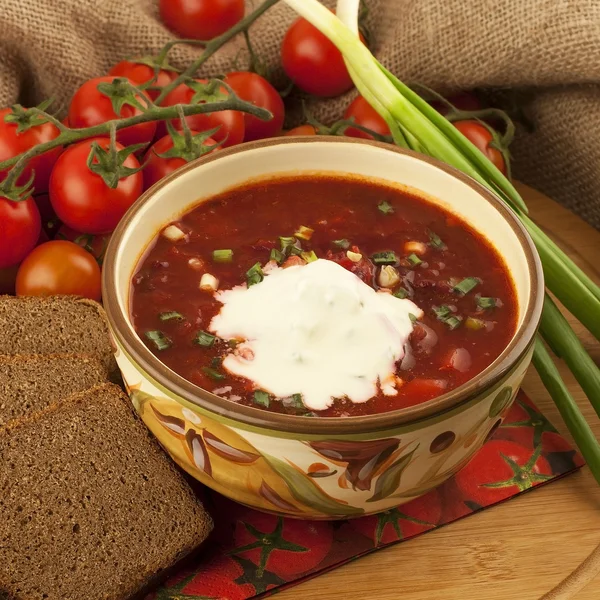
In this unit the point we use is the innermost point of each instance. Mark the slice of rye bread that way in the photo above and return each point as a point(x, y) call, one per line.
point(91, 507)
point(31, 383)
point(57, 324)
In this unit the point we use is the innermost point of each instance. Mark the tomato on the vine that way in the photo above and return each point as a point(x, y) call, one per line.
point(229, 122)
point(257, 90)
point(312, 62)
point(59, 267)
point(82, 199)
point(200, 19)
point(95, 244)
point(158, 167)
point(501, 469)
point(13, 144)
point(141, 73)
point(20, 227)
point(302, 130)
point(480, 136)
point(364, 115)
point(89, 107)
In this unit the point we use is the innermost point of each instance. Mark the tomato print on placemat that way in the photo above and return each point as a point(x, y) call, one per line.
point(254, 554)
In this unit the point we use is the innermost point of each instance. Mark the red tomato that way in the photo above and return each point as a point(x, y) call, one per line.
point(257, 90)
point(499, 470)
point(230, 122)
point(59, 267)
point(366, 116)
point(8, 278)
point(480, 137)
point(157, 167)
point(287, 547)
point(13, 143)
point(461, 100)
point(20, 227)
point(312, 62)
point(141, 73)
point(81, 198)
point(302, 130)
point(406, 521)
point(90, 107)
point(95, 244)
point(200, 19)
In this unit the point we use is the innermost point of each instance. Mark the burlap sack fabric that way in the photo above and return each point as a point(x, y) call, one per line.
point(549, 48)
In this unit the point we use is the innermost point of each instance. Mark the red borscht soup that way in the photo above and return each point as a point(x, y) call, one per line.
point(323, 296)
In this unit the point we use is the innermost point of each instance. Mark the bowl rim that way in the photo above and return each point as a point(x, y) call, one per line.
point(254, 417)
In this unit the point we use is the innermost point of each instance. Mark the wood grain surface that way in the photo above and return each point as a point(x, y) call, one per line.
point(518, 550)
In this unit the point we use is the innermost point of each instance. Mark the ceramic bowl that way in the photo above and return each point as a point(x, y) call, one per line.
point(300, 466)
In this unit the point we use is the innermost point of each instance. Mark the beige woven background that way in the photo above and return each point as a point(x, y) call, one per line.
point(547, 48)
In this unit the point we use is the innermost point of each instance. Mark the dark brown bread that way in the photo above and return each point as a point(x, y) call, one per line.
point(91, 507)
point(58, 324)
point(31, 383)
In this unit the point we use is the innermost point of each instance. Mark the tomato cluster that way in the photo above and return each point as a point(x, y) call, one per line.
point(74, 202)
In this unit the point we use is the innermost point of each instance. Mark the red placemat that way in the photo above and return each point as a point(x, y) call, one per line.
point(252, 553)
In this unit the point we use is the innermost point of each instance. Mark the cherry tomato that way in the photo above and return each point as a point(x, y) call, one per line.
point(59, 267)
point(200, 19)
point(13, 143)
point(406, 521)
point(230, 122)
point(81, 198)
point(312, 62)
point(20, 227)
point(257, 90)
point(480, 137)
point(91, 107)
point(460, 100)
point(157, 167)
point(499, 470)
point(365, 115)
point(302, 130)
point(95, 244)
point(141, 73)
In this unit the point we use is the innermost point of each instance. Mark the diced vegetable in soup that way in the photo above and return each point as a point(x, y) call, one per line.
point(324, 297)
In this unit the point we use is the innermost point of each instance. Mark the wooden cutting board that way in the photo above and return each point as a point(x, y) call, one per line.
point(515, 551)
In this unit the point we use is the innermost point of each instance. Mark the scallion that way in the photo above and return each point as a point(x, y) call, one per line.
point(309, 256)
point(262, 398)
point(466, 285)
point(401, 293)
point(171, 315)
point(435, 241)
point(304, 233)
point(486, 302)
point(254, 275)
point(384, 258)
point(285, 242)
point(223, 256)
point(277, 256)
point(453, 322)
point(413, 318)
point(159, 339)
point(414, 260)
point(204, 339)
point(442, 312)
point(343, 244)
point(213, 373)
point(385, 207)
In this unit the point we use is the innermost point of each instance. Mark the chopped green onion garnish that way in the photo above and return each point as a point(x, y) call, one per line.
point(254, 275)
point(484, 302)
point(436, 241)
point(401, 293)
point(277, 256)
point(213, 373)
point(171, 315)
point(414, 260)
point(216, 362)
point(385, 258)
point(343, 244)
point(262, 398)
point(286, 241)
point(442, 312)
point(385, 207)
point(466, 285)
point(453, 322)
point(223, 255)
point(159, 339)
point(295, 401)
point(304, 233)
point(205, 339)
point(474, 324)
point(232, 343)
point(413, 318)
point(309, 256)
point(295, 250)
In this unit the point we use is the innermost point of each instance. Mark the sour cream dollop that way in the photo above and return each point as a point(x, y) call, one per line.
point(316, 330)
